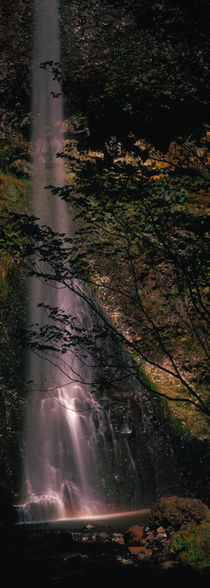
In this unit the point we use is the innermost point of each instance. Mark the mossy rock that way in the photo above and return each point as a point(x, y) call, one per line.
point(190, 545)
point(174, 512)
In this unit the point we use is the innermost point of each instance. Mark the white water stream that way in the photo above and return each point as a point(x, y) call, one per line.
point(66, 451)
point(74, 463)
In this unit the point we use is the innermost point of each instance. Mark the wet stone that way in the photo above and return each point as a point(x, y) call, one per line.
point(118, 538)
point(149, 539)
point(135, 549)
point(124, 561)
point(161, 531)
point(75, 558)
point(168, 564)
point(161, 538)
point(133, 535)
point(145, 554)
point(103, 536)
point(89, 527)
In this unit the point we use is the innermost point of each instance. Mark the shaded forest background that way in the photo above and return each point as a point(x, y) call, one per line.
point(134, 76)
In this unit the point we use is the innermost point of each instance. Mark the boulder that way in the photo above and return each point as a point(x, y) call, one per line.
point(173, 512)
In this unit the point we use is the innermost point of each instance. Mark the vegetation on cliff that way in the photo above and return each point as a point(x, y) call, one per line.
point(135, 80)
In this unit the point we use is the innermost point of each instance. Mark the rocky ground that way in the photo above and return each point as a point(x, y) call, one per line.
point(93, 556)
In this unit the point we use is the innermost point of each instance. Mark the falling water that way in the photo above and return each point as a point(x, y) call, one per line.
point(66, 452)
point(74, 462)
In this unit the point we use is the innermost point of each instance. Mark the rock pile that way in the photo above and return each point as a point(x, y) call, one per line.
point(99, 556)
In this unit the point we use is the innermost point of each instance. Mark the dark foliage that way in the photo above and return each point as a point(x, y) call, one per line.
point(130, 67)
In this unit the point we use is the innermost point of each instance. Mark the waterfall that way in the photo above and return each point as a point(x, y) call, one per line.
point(76, 461)
point(67, 451)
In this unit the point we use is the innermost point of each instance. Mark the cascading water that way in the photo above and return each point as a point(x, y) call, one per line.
point(60, 443)
point(66, 451)
point(74, 463)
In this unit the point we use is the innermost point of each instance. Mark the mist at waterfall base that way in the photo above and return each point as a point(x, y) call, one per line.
point(79, 459)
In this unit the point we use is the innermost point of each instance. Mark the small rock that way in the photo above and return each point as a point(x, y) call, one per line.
point(144, 542)
point(145, 554)
point(127, 562)
point(135, 549)
point(75, 558)
point(89, 527)
point(94, 537)
point(118, 539)
point(133, 535)
point(161, 531)
point(168, 565)
point(161, 538)
point(150, 537)
point(103, 536)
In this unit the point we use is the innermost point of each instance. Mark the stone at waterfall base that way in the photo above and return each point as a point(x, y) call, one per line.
point(93, 556)
point(133, 535)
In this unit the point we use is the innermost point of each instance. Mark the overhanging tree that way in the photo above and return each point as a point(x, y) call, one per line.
point(145, 245)
point(135, 244)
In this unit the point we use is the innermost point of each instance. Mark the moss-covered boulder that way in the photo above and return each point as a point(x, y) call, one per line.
point(190, 545)
point(174, 512)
